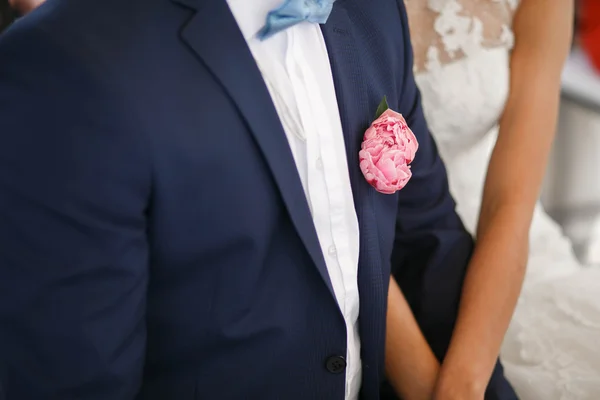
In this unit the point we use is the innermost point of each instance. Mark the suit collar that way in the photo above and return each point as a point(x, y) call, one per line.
point(197, 4)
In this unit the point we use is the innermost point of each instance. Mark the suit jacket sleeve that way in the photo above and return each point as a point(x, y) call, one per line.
point(432, 248)
point(73, 254)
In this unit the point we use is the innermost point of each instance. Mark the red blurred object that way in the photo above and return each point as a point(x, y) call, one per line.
point(589, 29)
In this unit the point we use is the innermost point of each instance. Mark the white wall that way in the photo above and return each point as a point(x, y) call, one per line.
point(572, 188)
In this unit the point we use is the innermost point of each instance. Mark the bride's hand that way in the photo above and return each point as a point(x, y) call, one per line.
point(457, 386)
point(410, 365)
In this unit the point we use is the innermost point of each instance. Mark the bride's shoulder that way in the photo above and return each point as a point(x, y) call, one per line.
point(444, 31)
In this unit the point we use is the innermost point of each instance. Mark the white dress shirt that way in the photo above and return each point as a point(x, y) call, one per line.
point(295, 67)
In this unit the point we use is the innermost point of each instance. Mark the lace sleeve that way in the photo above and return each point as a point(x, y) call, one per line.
point(444, 31)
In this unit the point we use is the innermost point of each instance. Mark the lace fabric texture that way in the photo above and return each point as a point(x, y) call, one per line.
point(462, 53)
point(444, 31)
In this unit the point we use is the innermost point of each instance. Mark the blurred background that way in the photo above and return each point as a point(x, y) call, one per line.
point(571, 192)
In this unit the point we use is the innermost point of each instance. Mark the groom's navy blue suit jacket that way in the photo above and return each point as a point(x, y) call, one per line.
point(155, 240)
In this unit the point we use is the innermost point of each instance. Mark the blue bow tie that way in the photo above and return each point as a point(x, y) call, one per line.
point(293, 12)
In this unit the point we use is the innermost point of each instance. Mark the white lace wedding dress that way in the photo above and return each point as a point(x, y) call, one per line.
point(462, 50)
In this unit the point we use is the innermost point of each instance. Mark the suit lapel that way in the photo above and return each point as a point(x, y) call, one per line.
point(225, 56)
point(356, 106)
point(351, 90)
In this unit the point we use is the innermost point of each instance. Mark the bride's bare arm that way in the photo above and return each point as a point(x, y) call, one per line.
point(410, 365)
point(25, 6)
point(543, 32)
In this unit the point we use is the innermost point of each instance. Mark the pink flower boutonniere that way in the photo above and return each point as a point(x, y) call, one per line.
point(389, 146)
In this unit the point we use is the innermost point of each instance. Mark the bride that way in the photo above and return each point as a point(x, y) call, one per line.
point(489, 73)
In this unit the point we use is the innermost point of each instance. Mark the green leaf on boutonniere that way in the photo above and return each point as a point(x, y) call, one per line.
point(383, 106)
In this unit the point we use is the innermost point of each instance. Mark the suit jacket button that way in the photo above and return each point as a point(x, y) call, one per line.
point(336, 364)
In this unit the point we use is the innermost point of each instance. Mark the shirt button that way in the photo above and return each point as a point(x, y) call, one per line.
point(332, 250)
point(319, 164)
